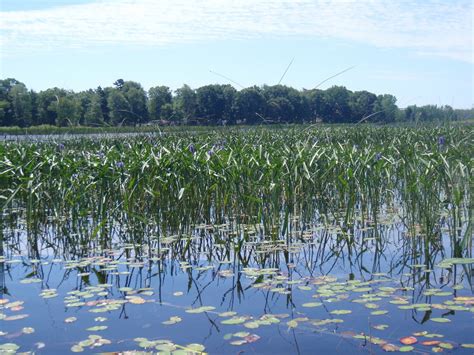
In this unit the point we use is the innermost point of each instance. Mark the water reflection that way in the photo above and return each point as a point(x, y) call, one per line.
point(318, 282)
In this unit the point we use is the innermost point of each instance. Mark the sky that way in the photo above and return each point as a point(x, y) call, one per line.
point(420, 51)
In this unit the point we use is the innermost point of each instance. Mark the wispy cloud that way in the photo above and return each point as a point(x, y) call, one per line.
point(431, 27)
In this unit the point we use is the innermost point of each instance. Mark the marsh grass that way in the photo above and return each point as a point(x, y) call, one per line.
point(89, 192)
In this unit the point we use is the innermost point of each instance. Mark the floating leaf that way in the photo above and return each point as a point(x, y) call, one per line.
point(77, 348)
point(30, 281)
point(430, 342)
point(341, 311)
point(362, 289)
point(406, 349)
point(238, 342)
point(441, 320)
point(251, 325)
point(420, 334)
point(448, 346)
point(172, 320)
point(70, 320)
point(409, 340)
point(378, 313)
point(252, 338)
point(390, 347)
point(16, 317)
point(200, 309)
point(28, 330)
point(234, 320)
point(137, 300)
point(241, 334)
point(312, 304)
point(9, 347)
point(97, 328)
point(196, 347)
point(430, 335)
point(227, 314)
point(456, 261)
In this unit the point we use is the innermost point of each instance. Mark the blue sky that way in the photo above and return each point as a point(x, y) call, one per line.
point(420, 51)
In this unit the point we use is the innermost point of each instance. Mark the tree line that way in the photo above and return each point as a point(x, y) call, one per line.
point(128, 103)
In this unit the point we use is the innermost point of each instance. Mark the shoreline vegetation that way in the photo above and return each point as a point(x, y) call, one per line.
point(127, 103)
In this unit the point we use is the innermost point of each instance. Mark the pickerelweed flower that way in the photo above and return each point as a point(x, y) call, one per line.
point(119, 164)
point(378, 156)
point(192, 149)
point(61, 146)
point(441, 140)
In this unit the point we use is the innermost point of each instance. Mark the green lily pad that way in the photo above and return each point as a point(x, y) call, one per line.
point(234, 320)
point(97, 328)
point(378, 313)
point(440, 320)
point(77, 349)
point(28, 330)
point(341, 311)
point(9, 347)
point(196, 347)
point(200, 309)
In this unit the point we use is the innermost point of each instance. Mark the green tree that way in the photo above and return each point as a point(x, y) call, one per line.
point(185, 104)
point(248, 106)
point(361, 105)
point(66, 110)
point(119, 109)
point(386, 106)
point(48, 105)
point(93, 115)
point(21, 105)
point(159, 96)
point(214, 103)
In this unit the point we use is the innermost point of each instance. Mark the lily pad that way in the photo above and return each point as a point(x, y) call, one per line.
point(341, 311)
point(312, 304)
point(97, 328)
point(200, 309)
point(9, 347)
point(440, 320)
point(234, 320)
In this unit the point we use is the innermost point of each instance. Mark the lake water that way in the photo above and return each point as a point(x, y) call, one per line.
point(321, 291)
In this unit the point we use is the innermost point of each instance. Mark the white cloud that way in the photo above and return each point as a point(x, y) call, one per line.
point(431, 27)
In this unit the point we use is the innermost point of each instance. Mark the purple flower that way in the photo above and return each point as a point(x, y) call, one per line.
point(61, 146)
point(192, 149)
point(378, 156)
point(74, 176)
point(119, 164)
point(441, 141)
point(101, 154)
point(210, 153)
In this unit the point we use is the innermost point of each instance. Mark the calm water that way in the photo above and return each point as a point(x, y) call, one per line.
point(319, 292)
